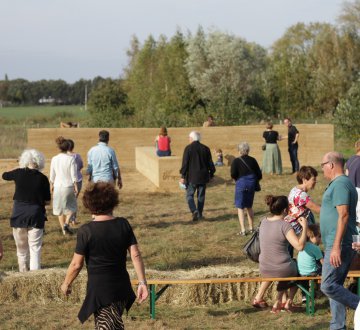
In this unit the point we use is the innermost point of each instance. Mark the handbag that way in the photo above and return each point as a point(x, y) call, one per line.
point(257, 185)
point(252, 246)
point(263, 147)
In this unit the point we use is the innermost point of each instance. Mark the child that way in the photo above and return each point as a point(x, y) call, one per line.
point(219, 157)
point(310, 260)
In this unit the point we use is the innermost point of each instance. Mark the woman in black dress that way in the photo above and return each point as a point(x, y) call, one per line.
point(103, 243)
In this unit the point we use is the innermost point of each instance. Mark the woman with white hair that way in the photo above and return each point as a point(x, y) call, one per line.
point(246, 172)
point(32, 193)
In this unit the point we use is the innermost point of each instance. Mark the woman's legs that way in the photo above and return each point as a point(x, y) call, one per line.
point(109, 317)
point(289, 301)
point(35, 238)
point(22, 247)
point(64, 223)
point(241, 216)
point(250, 216)
point(261, 293)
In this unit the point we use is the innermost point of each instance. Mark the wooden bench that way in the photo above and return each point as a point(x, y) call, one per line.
point(310, 294)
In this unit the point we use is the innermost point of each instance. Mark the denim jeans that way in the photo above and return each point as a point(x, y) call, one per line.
point(190, 192)
point(332, 284)
point(293, 152)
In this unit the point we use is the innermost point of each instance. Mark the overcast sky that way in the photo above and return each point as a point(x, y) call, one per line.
point(73, 39)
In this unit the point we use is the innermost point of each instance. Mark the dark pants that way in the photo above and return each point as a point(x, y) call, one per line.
point(190, 192)
point(293, 152)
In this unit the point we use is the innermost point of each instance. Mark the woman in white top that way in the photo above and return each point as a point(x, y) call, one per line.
point(63, 185)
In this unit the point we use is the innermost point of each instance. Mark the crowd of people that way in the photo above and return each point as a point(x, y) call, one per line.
point(103, 242)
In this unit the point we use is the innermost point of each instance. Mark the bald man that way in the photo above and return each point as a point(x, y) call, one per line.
point(337, 224)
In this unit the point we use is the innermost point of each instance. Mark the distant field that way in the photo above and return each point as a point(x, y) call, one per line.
point(42, 116)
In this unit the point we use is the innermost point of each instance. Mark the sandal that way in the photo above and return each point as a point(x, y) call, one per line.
point(275, 310)
point(259, 303)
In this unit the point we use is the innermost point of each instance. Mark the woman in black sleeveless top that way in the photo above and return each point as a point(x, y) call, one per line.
point(272, 157)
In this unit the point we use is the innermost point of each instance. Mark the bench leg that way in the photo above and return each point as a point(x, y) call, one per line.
point(152, 301)
point(312, 297)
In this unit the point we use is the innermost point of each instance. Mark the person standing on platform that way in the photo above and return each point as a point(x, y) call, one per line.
point(196, 171)
point(102, 162)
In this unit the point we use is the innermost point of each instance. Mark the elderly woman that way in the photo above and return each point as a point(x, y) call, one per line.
point(300, 203)
point(272, 156)
point(246, 172)
point(63, 181)
point(103, 244)
point(32, 193)
point(163, 142)
point(275, 260)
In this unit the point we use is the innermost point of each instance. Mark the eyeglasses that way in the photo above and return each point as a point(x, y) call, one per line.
point(323, 164)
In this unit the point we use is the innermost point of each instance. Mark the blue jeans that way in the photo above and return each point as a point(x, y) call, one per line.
point(293, 152)
point(190, 192)
point(332, 284)
point(162, 153)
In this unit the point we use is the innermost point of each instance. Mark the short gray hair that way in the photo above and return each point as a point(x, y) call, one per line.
point(195, 136)
point(33, 158)
point(244, 148)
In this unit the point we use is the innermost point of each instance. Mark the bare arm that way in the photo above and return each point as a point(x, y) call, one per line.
point(142, 291)
point(313, 206)
point(298, 242)
point(120, 184)
point(73, 271)
point(335, 255)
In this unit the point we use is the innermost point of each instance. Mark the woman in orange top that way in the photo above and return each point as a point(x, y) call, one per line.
point(163, 143)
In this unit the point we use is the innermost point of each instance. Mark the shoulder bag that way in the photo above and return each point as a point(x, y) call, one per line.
point(257, 186)
point(252, 246)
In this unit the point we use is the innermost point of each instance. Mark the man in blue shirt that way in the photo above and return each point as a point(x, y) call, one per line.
point(102, 162)
point(337, 224)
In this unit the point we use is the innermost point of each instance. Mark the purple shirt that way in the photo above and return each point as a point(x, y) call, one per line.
point(79, 166)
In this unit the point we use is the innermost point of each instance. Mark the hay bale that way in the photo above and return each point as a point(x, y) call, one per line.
point(44, 286)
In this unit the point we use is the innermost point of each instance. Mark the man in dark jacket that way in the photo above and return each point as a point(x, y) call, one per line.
point(196, 171)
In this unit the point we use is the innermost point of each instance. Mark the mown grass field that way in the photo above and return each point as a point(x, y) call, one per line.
point(169, 241)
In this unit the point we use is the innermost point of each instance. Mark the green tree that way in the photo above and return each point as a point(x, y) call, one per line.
point(226, 72)
point(347, 116)
point(108, 105)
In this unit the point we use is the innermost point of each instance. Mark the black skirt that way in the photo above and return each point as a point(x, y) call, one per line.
point(25, 214)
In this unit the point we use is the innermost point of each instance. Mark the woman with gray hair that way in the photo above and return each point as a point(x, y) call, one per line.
point(246, 172)
point(32, 193)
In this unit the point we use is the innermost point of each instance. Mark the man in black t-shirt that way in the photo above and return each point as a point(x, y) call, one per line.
point(293, 136)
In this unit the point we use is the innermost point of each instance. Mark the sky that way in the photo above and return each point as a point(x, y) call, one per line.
point(74, 39)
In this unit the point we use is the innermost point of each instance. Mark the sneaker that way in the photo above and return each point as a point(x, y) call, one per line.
point(66, 230)
point(195, 216)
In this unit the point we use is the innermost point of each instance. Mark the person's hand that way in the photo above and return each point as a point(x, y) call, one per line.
point(65, 289)
point(182, 181)
point(142, 293)
point(119, 183)
point(335, 257)
point(356, 246)
point(303, 222)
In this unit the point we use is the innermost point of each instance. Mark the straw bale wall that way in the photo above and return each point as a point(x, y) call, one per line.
point(315, 140)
